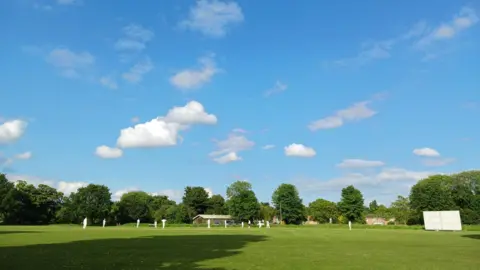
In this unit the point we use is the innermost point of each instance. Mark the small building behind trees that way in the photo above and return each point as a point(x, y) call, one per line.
point(214, 219)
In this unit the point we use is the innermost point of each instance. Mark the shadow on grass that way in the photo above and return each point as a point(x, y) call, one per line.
point(184, 252)
point(472, 236)
point(12, 232)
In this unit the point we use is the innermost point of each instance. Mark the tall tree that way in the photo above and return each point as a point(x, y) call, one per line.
point(136, 205)
point(401, 209)
point(196, 200)
point(5, 187)
point(216, 205)
point(351, 204)
point(322, 210)
point(373, 206)
point(238, 187)
point(288, 203)
point(93, 202)
point(243, 206)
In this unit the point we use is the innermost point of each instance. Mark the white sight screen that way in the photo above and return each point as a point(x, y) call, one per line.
point(442, 220)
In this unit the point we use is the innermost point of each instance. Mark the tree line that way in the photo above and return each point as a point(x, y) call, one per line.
point(23, 203)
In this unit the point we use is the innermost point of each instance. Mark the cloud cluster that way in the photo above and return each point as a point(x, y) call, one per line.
point(431, 157)
point(62, 186)
point(69, 63)
point(11, 131)
point(227, 150)
point(299, 150)
point(213, 17)
point(159, 132)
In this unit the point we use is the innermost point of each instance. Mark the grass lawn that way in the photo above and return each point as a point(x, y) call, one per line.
point(71, 247)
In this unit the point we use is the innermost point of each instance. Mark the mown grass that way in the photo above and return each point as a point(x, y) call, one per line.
point(318, 247)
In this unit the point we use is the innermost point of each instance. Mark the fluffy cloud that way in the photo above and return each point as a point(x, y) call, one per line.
point(213, 17)
point(188, 79)
point(209, 191)
point(104, 151)
point(11, 131)
point(164, 131)
point(299, 150)
point(172, 194)
point(135, 38)
point(62, 186)
point(227, 149)
point(117, 195)
point(192, 113)
point(359, 163)
point(279, 87)
point(356, 112)
point(268, 146)
point(136, 73)
point(426, 152)
point(108, 82)
point(69, 63)
point(25, 155)
point(227, 158)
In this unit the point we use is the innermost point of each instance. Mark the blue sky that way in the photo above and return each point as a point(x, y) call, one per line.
point(169, 93)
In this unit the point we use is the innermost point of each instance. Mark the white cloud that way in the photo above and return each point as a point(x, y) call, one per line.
point(426, 152)
point(154, 133)
point(11, 131)
point(279, 87)
point(213, 17)
point(194, 78)
point(227, 149)
point(164, 131)
point(192, 113)
point(136, 73)
point(26, 155)
point(356, 112)
point(62, 186)
point(135, 38)
point(465, 19)
point(299, 150)
point(209, 191)
point(69, 63)
point(104, 151)
point(359, 163)
point(227, 158)
point(108, 82)
point(117, 195)
point(268, 146)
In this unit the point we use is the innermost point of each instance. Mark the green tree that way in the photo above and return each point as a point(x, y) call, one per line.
point(288, 203)
point(400, 209)
point(92, 201)
point(351, 204)
point(322, 210)
point(243, 206)
point(5, 187)
point(136, 205)
point(373, 206)
point(432, 194)
point(196, 200)
point(238, 187)
point(267, 212)
point(216, 205)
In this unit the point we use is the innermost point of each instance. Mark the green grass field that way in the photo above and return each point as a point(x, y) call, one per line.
point(71, 247)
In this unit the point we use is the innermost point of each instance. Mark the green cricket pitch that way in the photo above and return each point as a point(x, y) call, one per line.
point(297, 248)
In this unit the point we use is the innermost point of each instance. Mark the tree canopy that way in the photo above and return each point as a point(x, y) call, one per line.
point(289, 204)
point(351, 204)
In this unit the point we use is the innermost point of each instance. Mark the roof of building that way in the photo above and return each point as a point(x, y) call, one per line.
point(213, 217)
